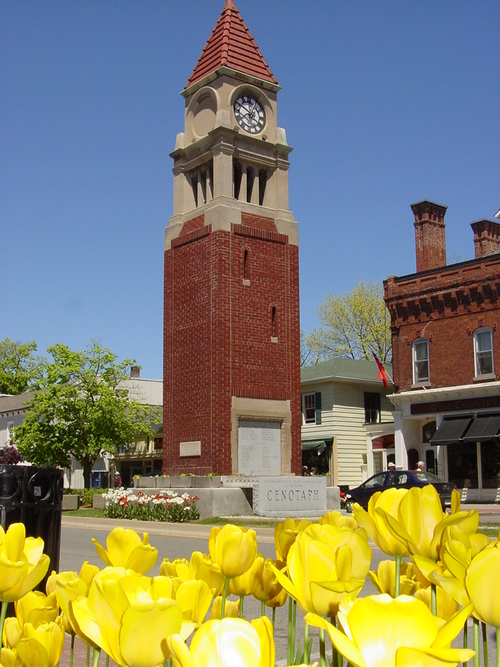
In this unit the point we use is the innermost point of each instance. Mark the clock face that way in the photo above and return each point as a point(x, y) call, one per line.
point(249, 114)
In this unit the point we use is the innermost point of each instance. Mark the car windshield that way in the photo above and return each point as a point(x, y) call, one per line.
point(423, 476)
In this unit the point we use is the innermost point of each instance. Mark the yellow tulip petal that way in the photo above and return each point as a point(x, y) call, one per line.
point(452, 628)
point(142, 558)
point(89, 630)
point(33, 549)
point(32, 652)
point(101, 552)
point(88, 572)
point(32, 578)
point(380, 625)
point(152, 622)
point(14, 542)
point(12, 632)
point(195, 598)
point(342, 643)
point(482, 585)
point(179, 652)
point(414, 657)
point(265, 631)
point(231, 641)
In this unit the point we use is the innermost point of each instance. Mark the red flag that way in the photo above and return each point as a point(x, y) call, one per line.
point(382, 374)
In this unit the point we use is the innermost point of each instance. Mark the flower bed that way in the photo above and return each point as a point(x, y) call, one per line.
point(163, 506)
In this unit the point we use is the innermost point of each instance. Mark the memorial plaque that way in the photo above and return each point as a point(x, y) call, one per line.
point(289, 496)
point(259, 448)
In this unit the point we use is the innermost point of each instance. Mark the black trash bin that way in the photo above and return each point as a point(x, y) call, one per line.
point(33, 496)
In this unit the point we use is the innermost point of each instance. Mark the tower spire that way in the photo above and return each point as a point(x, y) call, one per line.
point(231, 45)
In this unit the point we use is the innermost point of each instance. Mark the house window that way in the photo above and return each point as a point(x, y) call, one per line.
point(421, 361)
point(311, 408)
point(372, 408)
point(483, 352)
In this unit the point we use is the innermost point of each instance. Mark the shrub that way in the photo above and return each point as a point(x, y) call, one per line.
point(165, 506)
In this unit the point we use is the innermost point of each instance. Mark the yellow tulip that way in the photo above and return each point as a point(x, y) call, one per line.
point(421, 522)
point(381, 503)
point(41, 646)
point(246, 583)
point(36, 607)
point(285, 534)
point(340, 520)
point(231, 608)
point(325, 565)
point(126, 549)
point(231, 641)
point(175, 568)
point(22, 562)
point(233, 549)
point(267, 587)
point(380, 631)
point(384, 579)
point(482, 581)
point(9, 658)
point(109, 620)
point(68, 586)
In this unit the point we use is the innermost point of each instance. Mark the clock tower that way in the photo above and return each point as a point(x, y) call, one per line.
point(231, 376)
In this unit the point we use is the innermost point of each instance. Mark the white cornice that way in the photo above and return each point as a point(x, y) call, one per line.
point(445, 393)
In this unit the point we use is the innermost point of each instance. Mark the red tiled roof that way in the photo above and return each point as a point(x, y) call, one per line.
point(232, 45)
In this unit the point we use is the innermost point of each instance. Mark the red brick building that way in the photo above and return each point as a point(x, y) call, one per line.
point(446, 355)
point(231, 292)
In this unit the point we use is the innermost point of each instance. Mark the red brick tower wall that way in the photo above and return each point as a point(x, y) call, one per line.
point(217, 336)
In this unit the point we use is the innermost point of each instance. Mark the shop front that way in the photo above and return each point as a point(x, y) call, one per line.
point(455, 431)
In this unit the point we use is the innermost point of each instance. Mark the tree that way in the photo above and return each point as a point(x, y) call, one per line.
point(83, 412)
point(353, 325)
point(308, 355)
point(20, 369)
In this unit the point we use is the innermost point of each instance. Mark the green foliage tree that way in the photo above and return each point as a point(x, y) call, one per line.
point(84, 411)
point(352, 325)
point(20, 369)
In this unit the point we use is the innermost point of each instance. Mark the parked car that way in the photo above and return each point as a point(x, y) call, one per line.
point(400, 479)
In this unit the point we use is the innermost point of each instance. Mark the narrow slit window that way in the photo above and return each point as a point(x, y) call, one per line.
point(245, 264)
point(273, 322)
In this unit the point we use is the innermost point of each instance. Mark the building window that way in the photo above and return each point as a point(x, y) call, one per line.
point(311, 408)
point(372, 408)
point(421, 361)
point(483, 352)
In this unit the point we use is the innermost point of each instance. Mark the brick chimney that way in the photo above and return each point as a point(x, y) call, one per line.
point(430, 243)
point(135, 371)
point(486, 237)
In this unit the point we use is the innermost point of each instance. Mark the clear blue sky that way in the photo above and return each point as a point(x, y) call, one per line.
point(386, 103)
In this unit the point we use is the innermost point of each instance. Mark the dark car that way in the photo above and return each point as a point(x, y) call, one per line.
point(400, 479)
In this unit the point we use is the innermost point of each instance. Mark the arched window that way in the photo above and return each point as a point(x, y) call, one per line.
point(483, 352)
point(420, 350)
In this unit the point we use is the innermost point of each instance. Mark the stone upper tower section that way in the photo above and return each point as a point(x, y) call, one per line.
point(231, 45)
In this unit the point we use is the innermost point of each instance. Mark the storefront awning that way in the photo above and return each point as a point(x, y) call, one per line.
point(483, 428)
point(309, 445)
point(451, 430)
